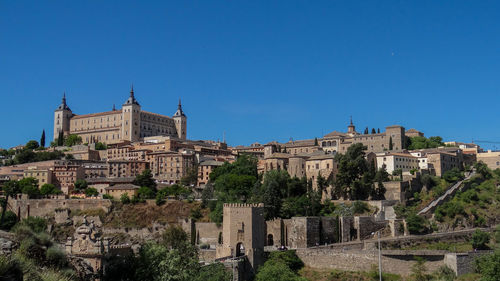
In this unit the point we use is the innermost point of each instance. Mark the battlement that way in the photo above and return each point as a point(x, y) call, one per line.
point(243, 205)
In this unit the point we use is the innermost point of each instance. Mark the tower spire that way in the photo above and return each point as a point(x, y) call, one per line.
point(180, 105)
point(351, 119)
point(132, 90)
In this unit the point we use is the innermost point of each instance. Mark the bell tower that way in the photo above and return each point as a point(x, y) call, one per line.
point(131, 112)
point(62, 117)
point(180, 120)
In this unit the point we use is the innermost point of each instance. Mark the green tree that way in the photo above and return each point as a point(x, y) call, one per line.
point(100, 146)
point(480, 239)
point(321, 183)
point(9, 221)
point(72, 140)
point(124, 198)
point(60, 139)
point(10, 189)
point(29, 186)
point(373, 131)
point(273, 189)
point(145, 193)
point(366, 131)
point(213, 272)
point(453, 175)
point(191, 176)
point(42, 139)
point(483, 169)
point(353, 180)
point(146, 179)
point(48, 189)
point(32, 144)
point(316, 142)
point(81, 185)
point(381, 176)
point(390, 143)
point(489, 266)
point(91, 192)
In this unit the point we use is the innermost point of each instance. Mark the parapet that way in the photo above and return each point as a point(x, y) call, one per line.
point(243, 205)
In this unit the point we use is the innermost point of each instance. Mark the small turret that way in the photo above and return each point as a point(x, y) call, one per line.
point(63, 105)
point(351, 128)
point(131, 99)
point(180, 120)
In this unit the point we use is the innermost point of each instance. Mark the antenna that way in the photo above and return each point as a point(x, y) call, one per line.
point(224, 137)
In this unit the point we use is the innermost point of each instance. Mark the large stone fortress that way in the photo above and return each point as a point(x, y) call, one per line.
point(130, 123)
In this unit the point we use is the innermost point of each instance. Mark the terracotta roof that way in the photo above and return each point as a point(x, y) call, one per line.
point(334, 133)
point(96, 114)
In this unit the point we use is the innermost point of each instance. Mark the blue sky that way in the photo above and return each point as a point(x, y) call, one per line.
point(258, 70)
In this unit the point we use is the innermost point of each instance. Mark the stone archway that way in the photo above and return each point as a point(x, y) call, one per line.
point(240, 250)
point(270, 240)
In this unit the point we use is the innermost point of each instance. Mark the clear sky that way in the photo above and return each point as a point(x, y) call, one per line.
point(258, 70)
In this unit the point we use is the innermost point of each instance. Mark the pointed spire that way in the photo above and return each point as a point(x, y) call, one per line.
point(180, 105)
point(63, 105)
point(131, 99)
point(351, 120)
point(179, 111)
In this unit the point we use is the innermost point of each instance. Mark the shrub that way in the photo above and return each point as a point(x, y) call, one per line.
point(489, 266)
point(107, 196)
point(479, 240)
point(55, 257)
point(416, 224)
point(124, 198)
point(35, 224)
point(91, 192)
point(9, 220)
point(359, 207)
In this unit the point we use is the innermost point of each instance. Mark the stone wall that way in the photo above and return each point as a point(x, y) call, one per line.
point(42, 207)
point(274, 232)
point(365, 226)
point(463, 263)
point(320, 258)
point(207, 233)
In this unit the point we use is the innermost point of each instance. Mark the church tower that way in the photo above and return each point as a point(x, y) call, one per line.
point(180, 120)
point(351, 129)
point(131, 118)
point(62, 117)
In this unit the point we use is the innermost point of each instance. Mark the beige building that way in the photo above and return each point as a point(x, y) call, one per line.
point(490, 158)
point(392, 161)
point(126, 168)
point(42, 175)
point(439, 162)
point(170, 167)
point(66, 174)
point(118, 190)
point(130, 123)
point(205, 168)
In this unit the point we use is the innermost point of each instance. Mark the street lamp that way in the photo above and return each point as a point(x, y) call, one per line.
point(379, 256)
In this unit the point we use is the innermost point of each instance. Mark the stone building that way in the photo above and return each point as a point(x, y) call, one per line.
point(439, 162)
point(170, 167)
point(126, 168)
point(243, 233)
point(129, 123)
point(118, 190)
point(43, 176)
point(392, 161)
point(205, 168)
point(66, 174)
point(490, 158)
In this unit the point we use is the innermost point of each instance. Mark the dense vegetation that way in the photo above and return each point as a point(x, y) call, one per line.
point(31, 152)
point(423, 142)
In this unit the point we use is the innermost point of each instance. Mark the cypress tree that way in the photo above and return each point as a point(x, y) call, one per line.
point(366, 131)
point(373, 130)
point(315, 141)
point(42, 139)
point(378, 131)
point(390, 143)
point(60, 139)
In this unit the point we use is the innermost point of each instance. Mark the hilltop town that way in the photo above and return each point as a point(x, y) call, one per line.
point(115, 193)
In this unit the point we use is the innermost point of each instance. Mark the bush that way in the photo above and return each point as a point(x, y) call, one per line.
point(479, 240)
point(107, 196)
point(289, 258)
point(9, 220)
point(196, 214)
point(416, 224)
point(35, 224)
point(55, 257)
point(360, 207)
point(91, 192)
point(489, 266)
point(124, 198)
point(145, 193)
